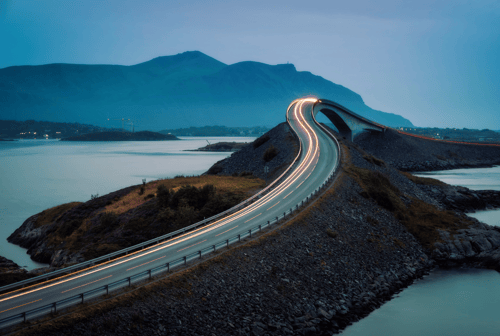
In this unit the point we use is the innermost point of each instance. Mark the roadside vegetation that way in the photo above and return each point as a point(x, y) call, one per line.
point(145, 212)
point(422, 220)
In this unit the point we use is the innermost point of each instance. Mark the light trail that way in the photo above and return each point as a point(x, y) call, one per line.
point(3, 311)
point(146, 263)
point(273, 206)
point(109, 276)
point(192, 245)
point(226, 231)
point(309, 161)
point(253, 217)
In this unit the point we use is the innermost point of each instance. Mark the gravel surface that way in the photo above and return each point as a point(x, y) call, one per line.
point(250, 158)
point(409, 153)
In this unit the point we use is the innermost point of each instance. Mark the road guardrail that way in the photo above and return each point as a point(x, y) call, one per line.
point(148, 274)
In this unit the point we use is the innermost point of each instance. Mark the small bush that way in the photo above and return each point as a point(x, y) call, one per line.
point(108, 219)
point(164, 196)
point(270, 153)
point(148, 196)
point(66, 229)
point(372, 221)
point(332, 233)
point(260, 141)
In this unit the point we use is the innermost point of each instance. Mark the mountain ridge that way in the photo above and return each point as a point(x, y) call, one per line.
point(187, 89)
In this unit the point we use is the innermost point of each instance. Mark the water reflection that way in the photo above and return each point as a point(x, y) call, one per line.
point(446, 302)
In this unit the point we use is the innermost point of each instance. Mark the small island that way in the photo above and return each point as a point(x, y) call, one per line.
point(221, 147)
point(122, 136)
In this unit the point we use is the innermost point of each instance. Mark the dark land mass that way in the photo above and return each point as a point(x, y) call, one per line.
point(6, 140)
point(222, 147)
point(217, 131)
point(183, 90)
point(11, 272)
point(31, 129)
point(456, 134)
point(372, 233)
point(252, 158)
point(408, 153)
point(122, 136)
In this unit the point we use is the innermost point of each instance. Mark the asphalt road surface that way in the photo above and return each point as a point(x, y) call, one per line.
point(318, 158)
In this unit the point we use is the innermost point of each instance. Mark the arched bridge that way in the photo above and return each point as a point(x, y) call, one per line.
point(348, 123)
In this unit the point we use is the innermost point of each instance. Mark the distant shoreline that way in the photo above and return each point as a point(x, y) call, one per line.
point(123, 136)
point(220, 147)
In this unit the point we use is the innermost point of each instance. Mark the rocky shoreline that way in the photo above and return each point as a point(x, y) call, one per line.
point(331, 265)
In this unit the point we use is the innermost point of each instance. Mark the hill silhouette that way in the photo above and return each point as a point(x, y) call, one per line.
point(187, 89)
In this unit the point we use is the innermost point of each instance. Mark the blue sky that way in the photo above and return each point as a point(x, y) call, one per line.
point(436, 63)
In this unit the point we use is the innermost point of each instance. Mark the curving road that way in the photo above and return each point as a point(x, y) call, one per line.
point(318, 158)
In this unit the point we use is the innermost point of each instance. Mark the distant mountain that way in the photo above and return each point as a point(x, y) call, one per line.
point(188, 89)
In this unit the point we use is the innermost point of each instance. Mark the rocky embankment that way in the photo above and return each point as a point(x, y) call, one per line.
point(334, 263)
point(11, 272)
point(7, 265)
point(409, 153)
point(372, 233)
point(250, 159)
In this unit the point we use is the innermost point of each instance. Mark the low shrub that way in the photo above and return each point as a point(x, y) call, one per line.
point(332, 233)
point(270, 153)
point(164, 196)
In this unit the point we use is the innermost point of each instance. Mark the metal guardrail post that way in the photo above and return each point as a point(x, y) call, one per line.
point(150, 274)
point(200, 254)
point(129, 281)
point(214, 247)
point(168, 267)
point(185, 260)
point(260, 228)
point(82, 296)
point(107, 289)
point(24, 316)
point(239, 238)
point(55, 307)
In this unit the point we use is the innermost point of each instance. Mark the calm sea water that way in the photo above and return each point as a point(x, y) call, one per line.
point(446, 302)
point(40, 174)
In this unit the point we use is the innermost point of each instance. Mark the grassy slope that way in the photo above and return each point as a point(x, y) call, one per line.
point(135, 216)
